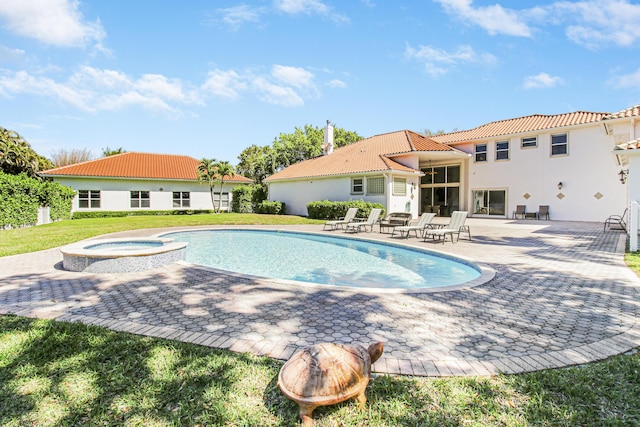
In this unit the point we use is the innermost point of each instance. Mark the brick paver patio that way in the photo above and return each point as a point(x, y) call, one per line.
point(561, 296)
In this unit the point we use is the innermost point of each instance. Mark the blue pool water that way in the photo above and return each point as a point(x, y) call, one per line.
point(322, 259)
point(125, 245)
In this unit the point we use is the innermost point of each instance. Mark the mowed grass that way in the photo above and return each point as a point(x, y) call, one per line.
point(65, 374)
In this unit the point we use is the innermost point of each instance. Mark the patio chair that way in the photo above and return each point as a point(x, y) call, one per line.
point(359, 223)
point(456, 226)
point(424, 222)
point(520, 211)
point(395, 219)
point(338, 223)
point(543, 211)
point(619, 220)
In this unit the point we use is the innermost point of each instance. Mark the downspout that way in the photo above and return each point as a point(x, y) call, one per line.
point(387, 177)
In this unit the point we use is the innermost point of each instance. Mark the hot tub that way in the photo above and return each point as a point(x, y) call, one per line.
point(121, 255)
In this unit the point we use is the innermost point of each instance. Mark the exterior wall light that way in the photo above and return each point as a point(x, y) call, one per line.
point(560, 185)
point(623, 175)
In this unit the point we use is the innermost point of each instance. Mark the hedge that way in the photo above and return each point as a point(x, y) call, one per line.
point(273, 208)
point(117, 214)
point(22, 195)
point(325, 209)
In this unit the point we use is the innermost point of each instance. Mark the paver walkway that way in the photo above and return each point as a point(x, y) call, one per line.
point(561, 296)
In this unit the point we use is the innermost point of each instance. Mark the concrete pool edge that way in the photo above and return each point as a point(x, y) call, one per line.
point(486, 272)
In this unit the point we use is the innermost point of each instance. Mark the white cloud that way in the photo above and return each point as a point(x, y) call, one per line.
point(438, 61)
point(53, 22)
point(238, 15)
point(276, 94)
point(596, 23)
point(293, 76)
point(8, 54)
point(337, 84)
point(226, 84)
point(308, 7)
point(541, 80)
point(627, 81)
point(495, 19)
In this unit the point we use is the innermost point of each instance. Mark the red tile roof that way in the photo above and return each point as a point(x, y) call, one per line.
point(373, 154)
point(627, 112)
point(525, 124)
point(136, 165)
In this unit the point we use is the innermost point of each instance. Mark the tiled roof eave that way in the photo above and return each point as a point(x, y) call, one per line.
point(344, 174)
point(128, 178)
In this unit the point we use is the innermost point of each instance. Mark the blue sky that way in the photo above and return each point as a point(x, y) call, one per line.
point(210, 78)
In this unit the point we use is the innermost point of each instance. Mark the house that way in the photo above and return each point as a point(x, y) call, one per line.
point(138, 181)
point(564, 161)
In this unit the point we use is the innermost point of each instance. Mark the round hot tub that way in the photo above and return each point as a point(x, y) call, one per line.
point(121, 255)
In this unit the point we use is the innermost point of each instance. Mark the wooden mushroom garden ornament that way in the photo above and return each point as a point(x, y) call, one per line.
point(327, 373)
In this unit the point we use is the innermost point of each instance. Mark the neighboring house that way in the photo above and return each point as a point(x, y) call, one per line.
point(564, 161)
point(139, 181)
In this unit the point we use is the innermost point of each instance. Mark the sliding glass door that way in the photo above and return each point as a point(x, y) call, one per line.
point(489, 202)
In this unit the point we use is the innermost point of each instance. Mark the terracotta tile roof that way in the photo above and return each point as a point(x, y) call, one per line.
point(630, 145)
point(532, 123)
point(136, 165)
point(627, 112)
point(372, 154)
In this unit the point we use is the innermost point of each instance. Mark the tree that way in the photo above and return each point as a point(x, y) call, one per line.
point(106, 152)
point(305, 143)
point(211, 171)
point(17, 156)
point(64, 157)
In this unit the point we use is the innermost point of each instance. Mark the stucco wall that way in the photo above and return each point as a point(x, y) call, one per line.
point(115, 196)
point(591, 189)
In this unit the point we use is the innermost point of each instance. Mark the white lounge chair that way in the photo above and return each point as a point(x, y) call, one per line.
point(338, 223)
point(355, 226)
point(423, 223)
point(456, 226)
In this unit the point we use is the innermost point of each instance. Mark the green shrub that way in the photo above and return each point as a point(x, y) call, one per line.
point(22, 195)
point(326, 209)
point(241, 198)
point(273, 208)
point(115, 214)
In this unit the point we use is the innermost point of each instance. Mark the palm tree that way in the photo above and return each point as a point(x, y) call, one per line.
point(225, 170)
point(208, 172)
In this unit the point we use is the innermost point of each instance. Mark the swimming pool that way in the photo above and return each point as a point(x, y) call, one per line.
point(326, 260)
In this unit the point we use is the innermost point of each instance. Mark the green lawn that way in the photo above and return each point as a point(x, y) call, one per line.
point(61, 374)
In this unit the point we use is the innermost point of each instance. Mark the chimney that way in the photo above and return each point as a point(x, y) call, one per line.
point(328, 139)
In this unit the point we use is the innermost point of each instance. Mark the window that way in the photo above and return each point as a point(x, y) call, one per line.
point(357, 186)
point(481, 152)
point(375, 185)
point(89, 198)
point(559, 145)
point(440, 175)
point(400, 186)
point(502, 150)
point(489, 202)
point(529, 142)
point(225, 201)
point(181, 199)
point(140, 199)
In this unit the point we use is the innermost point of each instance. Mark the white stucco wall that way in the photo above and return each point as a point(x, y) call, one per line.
point(296, 194)
point(588, 170)
point(115, 196)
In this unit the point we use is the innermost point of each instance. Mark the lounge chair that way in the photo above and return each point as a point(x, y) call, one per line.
point(338, 223)
point(359, 223)
point(423, 223)
point(456, 226)
point(543, 211)
point(619, 220)
point(520, 211)
point(395, 219)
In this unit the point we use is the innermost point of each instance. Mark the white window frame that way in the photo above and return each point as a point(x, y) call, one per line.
point(138, 201)
point(500, 151)
point(225, 200)
point(357, 185)
point(183, 200)
point(375, 185)
point(529, 142)
point(89, 198)
point(565, 143)
point(478, 152)
point(399, 186)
